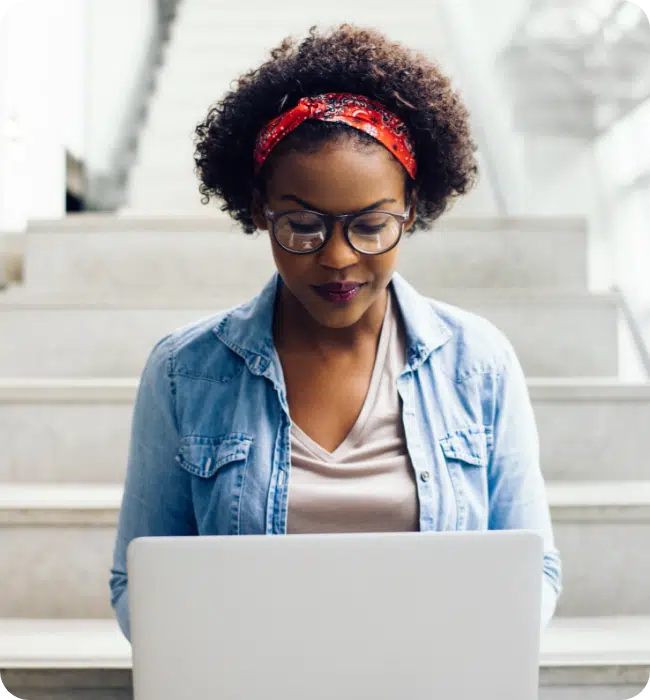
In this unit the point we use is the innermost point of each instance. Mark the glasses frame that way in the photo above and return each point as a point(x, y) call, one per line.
point(330, 220)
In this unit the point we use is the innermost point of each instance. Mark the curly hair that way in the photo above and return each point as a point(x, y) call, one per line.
point(344, 59)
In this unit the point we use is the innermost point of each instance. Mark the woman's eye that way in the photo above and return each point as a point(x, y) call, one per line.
point(367, 230)
point(305, 228)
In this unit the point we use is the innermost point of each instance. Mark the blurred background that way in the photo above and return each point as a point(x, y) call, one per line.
point(105, 247)
point(98, 99)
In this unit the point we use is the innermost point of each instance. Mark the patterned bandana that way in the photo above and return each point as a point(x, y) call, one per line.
point(358, 111)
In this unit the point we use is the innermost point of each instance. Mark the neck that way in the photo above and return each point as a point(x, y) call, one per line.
point(294, 327)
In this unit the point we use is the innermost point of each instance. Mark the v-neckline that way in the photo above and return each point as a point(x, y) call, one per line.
point(356, 432)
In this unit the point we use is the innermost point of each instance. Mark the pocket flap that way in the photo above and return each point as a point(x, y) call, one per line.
point(469, 446)
point(205, 456)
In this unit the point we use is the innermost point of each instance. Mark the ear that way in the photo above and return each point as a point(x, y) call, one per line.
point(257, 211)
point(413, 213)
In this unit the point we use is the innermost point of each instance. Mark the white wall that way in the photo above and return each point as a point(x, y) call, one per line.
point(29, 99)
point(72, 55)
point(68, 69)
point(41, 106)
point(12, 200)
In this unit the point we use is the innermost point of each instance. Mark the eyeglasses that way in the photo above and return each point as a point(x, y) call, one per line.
point(303, 232)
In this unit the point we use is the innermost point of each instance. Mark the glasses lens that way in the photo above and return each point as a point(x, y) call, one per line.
point(374, 232)
point(300, 231)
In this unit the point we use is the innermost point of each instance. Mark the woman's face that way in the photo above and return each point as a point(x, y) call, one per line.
point(338, 179)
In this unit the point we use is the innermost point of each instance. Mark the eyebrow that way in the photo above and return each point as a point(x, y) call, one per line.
point(307, 205)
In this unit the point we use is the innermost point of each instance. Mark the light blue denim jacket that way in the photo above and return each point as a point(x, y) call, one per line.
point(210, 443)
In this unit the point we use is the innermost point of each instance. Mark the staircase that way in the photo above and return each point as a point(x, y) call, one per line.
point(100, 291)
point(209, 48)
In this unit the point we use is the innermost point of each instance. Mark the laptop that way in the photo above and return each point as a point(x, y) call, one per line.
point(397, 616)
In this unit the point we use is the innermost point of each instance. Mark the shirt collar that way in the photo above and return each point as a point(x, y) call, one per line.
point(248, 329)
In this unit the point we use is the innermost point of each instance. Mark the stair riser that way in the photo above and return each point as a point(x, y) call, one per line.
point(551, 339)
point(108, 684)
point(56, 572)
point(64, 442)
point(69, 684)
point(606, 567)
point(62, 571)
point(597, 440)
point(87, 441)
point(190, 264)
point(586, 692)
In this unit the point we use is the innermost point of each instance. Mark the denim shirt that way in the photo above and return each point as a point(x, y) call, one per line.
point(210, 442)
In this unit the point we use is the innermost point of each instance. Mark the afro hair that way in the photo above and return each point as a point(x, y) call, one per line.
point(344, 59)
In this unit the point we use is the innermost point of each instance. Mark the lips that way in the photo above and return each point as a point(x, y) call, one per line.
point(338, 287)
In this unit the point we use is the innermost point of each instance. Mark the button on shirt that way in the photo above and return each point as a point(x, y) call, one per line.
point(210, 451)
point(367, 483)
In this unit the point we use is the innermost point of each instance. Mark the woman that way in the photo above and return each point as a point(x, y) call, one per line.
point(339, 399)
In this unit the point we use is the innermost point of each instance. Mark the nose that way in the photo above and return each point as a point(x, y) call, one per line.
point(337, 253)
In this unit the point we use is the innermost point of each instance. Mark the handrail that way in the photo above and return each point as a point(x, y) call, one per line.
point(635, 328)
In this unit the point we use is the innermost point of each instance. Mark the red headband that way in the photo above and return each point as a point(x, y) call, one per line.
point(358, 111)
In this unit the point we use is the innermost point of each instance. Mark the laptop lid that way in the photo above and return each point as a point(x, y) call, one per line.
point(396, 616)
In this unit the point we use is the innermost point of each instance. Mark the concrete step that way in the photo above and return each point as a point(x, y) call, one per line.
point(65, 431)
point(560, 334)
point(165, 198)
point(151, 162)
point(59, 540)
point(64, 536)
point(165, 191)
point(178, 195)
point(195, 256)
point(195, 50)
point(174, 117)
point(192, 20)
point(600, 528)
point(581, 659)
point(208, 49)
point(580, 423)
point(190, 53)
point(173, 112)
point(78, 431)
point(159, 195)
point(262, 27)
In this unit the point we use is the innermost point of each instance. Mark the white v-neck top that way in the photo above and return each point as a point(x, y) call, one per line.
point(367, 483)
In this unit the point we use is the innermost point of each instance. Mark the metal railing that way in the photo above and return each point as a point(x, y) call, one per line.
point(635, 328)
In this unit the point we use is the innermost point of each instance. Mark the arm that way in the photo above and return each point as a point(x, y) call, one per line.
point(157, 494)
point(517, 491)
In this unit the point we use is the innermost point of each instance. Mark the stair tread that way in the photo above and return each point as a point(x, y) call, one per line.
point(205, 221)
point(50, 496)
point(111, 388)
point(20, 497)
point(24, 298)
point(620, 641)
point(598, 493)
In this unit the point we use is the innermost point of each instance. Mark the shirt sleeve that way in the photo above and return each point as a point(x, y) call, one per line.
point(517, 492)
point(157, 493)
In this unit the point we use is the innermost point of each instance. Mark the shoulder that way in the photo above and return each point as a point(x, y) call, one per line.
point(193, 350)
point(475, 345)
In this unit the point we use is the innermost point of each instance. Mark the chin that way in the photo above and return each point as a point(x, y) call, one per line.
point(339, 322)
point(341, 318)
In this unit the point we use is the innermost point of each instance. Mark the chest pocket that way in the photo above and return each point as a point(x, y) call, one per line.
point(466, 456)
point(220, 463)
point(204, 457)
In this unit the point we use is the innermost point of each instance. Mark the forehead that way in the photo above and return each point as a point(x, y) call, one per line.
point(339, 177)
